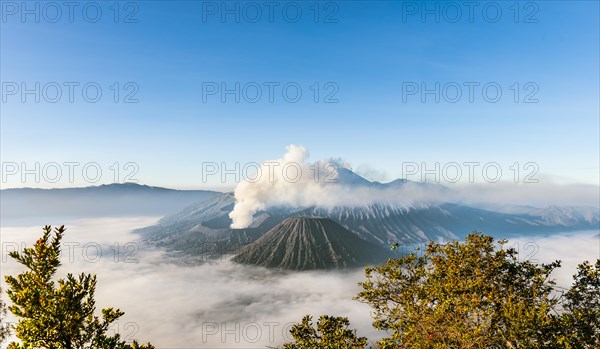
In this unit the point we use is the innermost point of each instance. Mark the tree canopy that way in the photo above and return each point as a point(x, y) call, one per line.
point(580, 323)
point(4, 329)
point(61, 314)
point(331, 333)
point(475, 294)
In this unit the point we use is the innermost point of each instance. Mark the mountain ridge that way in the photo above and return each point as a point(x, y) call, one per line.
point(38, 205)
point(204, 228)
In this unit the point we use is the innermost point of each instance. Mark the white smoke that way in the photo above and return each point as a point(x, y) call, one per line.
point(289, 181)
point(294, 182)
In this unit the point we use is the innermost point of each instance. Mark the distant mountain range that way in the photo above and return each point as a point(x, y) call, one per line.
point(204, 228)
point(39, 206)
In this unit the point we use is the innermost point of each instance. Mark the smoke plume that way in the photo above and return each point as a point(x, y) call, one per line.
point(294, 182)
point(289, 181)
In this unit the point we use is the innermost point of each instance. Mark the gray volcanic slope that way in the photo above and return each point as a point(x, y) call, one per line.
point(306, 243)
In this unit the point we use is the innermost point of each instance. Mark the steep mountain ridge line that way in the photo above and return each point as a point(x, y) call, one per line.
point(306, 243)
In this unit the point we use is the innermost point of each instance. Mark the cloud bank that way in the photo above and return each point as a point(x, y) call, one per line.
point(224, 305)
point(173, 304)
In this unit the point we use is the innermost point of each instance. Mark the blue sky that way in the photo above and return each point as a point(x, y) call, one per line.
point(360, 53)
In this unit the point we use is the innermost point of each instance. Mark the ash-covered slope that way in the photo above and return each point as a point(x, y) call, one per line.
point(203, 229)
point(307, 243)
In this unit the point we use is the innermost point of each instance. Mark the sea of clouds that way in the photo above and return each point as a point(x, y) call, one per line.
point(202, 305)
point(220, 304)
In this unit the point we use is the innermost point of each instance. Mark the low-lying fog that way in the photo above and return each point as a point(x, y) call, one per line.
point(221, 304)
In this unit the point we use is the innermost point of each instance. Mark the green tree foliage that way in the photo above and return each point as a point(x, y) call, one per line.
point(4, 328)
point(477, 295)
point(58, 315)
point(472, 294)
point(580, 322)
point(330, 333)
point(462, 295)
